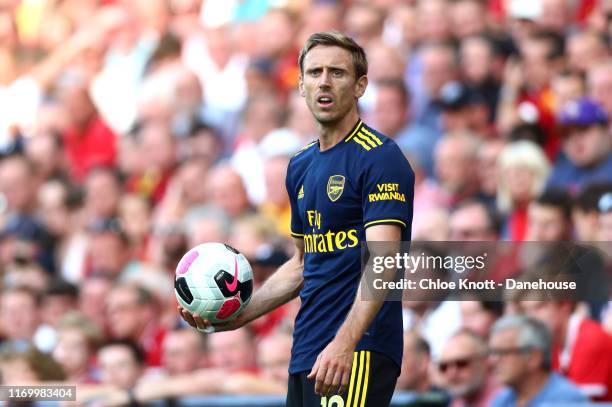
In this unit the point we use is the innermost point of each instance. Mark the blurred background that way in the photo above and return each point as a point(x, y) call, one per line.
point(132, 130)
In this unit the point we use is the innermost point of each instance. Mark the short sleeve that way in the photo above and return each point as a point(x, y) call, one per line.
point(388, 188)
point(297, 228)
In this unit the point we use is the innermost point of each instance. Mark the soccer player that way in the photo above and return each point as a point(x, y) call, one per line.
point(351, 185)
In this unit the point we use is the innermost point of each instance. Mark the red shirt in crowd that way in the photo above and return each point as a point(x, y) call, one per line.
point(151, 343)
point(89, 147)
point(587, 358)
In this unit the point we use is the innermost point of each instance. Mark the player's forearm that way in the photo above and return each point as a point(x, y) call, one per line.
point(363, 312)
point(283, 286)
point(359, 318)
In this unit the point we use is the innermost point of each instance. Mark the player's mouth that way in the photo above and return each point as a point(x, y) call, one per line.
point(325, 101)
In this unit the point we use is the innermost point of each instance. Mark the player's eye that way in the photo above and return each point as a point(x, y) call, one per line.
point(337, 73)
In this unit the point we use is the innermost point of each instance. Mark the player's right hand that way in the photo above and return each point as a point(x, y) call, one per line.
point(204, 325)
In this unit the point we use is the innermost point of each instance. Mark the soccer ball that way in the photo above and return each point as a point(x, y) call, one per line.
point(215, 281)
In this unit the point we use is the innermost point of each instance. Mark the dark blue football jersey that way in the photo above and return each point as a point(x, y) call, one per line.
point(335, 195)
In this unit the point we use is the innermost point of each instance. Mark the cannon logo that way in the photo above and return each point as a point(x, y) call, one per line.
point(335, 187)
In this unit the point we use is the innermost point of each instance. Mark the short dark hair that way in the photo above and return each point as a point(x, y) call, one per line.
point(421, 345)
point(59, 287)
point(555, 42)
point(557, 198)
point(588, 199)
point(137, 352)
point(396, 84)
point(336, 39)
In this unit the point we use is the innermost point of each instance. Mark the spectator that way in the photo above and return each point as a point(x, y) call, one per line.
point(523, 170)
point(521, 355)
point(183, 351)
point(135, 218)
point(190, 177)
point(17, 184)
point(59, 203)
point(19, 313)
point(462, 109)
point(108, 250)
point(23, 364)
point(122, 363)
point(88, 140)
point(479, 316)
point(46, 152)
point(463, 371)
point(233, 350)
point(391, 114)
point(600, 85)
point(586, 144)
point(131, 312)
point(488, 169)
point(585, 212)
point(253, 235)
point(585, 49)
point(415, 375)
point(227, 191)
point(468, 18)
point(455, 158)
point(77, 343)
point(273, 355)
point(438, 68)
point(102, 191)
point(581, 348)
point(92, 298)
point(473, 221)
point(549, 217)
point(276, 205)
point(605, 217)
point(205, 225)
point(479, 66)
point(567, 86)
point(58, 299)
point(435, 20)
point(159, 146)
point(364, 22)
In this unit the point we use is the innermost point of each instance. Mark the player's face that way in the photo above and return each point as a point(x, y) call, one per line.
point(329, 85)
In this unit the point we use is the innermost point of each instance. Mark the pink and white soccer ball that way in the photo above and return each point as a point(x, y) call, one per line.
point(215, 281)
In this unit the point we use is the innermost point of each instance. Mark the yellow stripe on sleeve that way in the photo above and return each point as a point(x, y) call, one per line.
point(374, 222)
point(364, 392)
point(296, 234)
point(352, 382)
point(364, 145)
point(369, 133)
point(366, 138)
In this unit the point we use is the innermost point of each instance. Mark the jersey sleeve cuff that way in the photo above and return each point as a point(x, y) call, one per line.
point(298, 235)
point(389, 221)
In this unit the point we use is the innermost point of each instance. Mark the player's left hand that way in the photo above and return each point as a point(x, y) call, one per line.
point(332, 368)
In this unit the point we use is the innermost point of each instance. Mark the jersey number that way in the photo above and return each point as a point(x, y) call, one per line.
point(334, 401)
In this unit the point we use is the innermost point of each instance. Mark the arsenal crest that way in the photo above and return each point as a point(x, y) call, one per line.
point(335, 186)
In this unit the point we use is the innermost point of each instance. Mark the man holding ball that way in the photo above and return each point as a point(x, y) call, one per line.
point(350, 186)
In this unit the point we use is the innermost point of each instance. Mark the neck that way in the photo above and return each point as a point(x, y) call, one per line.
point(331, 134)
point(424, 385)
point(530, 386)
point(474, 397)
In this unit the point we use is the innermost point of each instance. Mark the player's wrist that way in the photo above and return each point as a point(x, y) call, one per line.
point(346, 337)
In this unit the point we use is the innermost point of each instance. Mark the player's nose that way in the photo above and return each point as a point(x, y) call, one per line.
point(325, 79)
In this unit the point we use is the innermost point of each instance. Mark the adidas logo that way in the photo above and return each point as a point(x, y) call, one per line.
point(301, 193)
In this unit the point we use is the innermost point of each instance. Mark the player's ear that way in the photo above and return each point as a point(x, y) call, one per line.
point(360, 86)
point(301, 87)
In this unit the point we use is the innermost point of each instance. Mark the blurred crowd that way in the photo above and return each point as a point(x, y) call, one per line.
point(132, 130)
